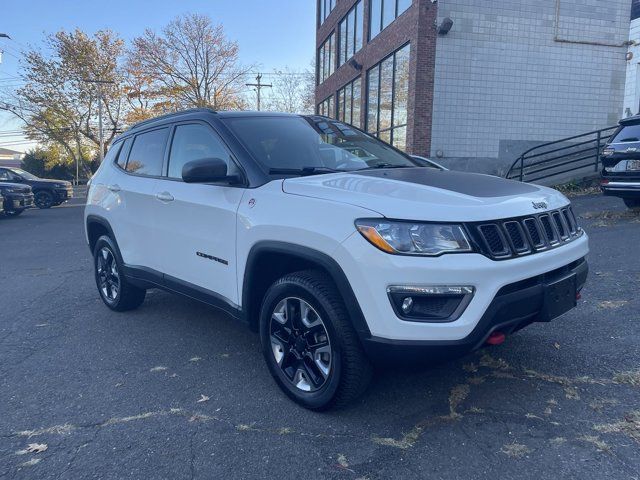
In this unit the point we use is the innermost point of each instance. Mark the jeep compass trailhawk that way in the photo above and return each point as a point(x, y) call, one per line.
point(339, 249)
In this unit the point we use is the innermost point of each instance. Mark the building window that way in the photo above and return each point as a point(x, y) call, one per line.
point(324, 9)
point(326, 107)
point(351, 28)
point(326, 59)
point(383, 12)
point(387, 98)
point(348, 105)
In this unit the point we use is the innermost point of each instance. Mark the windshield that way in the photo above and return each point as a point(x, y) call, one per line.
point(23, 174)
point(313, 144)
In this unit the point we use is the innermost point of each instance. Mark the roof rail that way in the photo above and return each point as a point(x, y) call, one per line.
point(169, 115)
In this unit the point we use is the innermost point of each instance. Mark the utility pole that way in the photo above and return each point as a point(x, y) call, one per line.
point(3, 35)
point(100, 83)
point(259, 86)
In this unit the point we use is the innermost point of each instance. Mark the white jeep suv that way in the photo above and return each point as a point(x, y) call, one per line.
point(339, 249)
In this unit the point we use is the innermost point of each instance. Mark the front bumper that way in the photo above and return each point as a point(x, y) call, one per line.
point(18, 201)
point(63, 194)
point(371, 272)
point(514, 307)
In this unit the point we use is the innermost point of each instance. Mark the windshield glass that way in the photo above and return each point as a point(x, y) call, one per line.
point(23, 174)
point(297, 143)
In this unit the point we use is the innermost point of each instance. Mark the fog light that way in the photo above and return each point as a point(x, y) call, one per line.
point(430, 303)
point(407, 304)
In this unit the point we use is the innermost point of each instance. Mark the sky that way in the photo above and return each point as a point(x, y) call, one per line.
point(271, 33)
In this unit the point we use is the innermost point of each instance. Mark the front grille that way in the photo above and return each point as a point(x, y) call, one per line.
point(526, 235)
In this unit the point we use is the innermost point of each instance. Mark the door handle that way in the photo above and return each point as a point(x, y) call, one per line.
point(164, 197)
point(114, 188)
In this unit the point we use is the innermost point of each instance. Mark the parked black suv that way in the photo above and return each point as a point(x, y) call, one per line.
point(47, 193)
point(621, 160)
point(17, 198)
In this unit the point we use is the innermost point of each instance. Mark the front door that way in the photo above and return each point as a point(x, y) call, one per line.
point(197, 222)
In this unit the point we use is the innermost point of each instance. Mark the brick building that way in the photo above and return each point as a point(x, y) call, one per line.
point(472, 83)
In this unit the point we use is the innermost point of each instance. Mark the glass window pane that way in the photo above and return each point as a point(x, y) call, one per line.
point(350, 32)
point(400, 138)
point(332, 63)
point(194, 142)
point(340, 105)
point(376, 18)
point(386, 90)
point(388, 12)
point(357, 98)
point(401, 90)
point(147, 153)
point(342, 47)
point(124, 152)
point(385, 136)
point(348, 103)
point(359, 23)
point(372, 99)
point(403, 5)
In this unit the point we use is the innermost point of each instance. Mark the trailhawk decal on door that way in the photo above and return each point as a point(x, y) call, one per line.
point(211, 257)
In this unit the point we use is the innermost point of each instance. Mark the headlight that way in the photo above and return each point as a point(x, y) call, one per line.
point(408, 238)
point(9, 190)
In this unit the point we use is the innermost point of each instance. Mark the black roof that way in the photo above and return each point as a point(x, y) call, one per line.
point(635, 9)
point(222, 114)
point(630, 120)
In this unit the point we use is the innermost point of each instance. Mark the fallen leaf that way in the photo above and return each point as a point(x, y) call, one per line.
point(195, 359)
point(557, 345)
point(203, 398)
point(158, 369)
point(37, 447)
point(342, 461)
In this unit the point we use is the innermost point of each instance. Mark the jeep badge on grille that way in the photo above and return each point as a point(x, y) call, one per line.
point(539, 205)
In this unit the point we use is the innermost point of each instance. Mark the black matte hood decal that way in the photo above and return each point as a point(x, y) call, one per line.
point(472, 184)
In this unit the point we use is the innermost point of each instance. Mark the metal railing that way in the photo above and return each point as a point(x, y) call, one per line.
point(561, 157)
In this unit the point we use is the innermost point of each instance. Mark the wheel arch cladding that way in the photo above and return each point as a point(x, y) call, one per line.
point(96, 227)
point(269, 260)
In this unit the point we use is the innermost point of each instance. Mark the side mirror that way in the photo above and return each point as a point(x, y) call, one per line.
point(205, 170)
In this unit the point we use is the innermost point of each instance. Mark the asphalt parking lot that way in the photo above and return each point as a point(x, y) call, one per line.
point(175, 390)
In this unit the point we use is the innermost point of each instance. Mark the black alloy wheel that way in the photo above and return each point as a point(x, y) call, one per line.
point(43, 199)
point(108, 278)
point(300, 344)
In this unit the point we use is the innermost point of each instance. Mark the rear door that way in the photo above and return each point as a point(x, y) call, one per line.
point(135, 216)
point(197, 230)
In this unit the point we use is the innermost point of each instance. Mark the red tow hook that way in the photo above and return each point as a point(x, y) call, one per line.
point(496, 338)
point(578, 296)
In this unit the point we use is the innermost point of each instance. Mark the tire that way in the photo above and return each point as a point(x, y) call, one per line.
point(632, 203)
point(114, 289)
point(43, 199)
point(13, 213)
point(318, 378)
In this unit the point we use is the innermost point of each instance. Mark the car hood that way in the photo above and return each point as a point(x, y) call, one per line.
point(429, 195)
point(51, 181)
point(20, 187)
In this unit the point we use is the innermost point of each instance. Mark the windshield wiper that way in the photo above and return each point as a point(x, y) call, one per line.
point(387, 165)
point(302, 171)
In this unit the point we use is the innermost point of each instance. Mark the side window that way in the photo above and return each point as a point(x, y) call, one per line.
point(147, 153)
point(5, 175)
point(195, 142)
point(122, 154)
